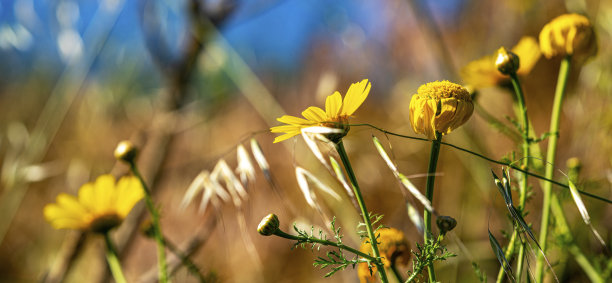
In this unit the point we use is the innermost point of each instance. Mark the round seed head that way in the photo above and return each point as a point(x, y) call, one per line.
point(446, 224)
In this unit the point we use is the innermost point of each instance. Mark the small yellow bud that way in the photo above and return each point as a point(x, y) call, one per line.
point(507, 62)
point(268, 225)
point(446, 224)
point(566, 35)
point(125, 151)
point(439, 107)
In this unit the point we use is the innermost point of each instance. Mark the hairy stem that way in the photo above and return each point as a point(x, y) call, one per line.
point(159, 238)
point(364, 210)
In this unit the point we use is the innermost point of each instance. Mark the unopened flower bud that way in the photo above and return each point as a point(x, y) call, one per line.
point(125, 151)
point(507, 62)
point(268, 225)
point(445, 224)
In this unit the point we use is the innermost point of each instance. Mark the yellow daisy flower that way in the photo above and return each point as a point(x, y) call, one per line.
point(99, 207)
point(394, 249)
point(568, 34)
point(439, 107)
point(482, 72)
point(336, 114)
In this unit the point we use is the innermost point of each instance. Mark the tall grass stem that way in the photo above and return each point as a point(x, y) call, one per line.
point(550, 160)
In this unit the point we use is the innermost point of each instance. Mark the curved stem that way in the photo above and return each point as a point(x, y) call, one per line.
point(509, 165)
point(159, 238)
point(113, 260)
point(364, 210)
point(396, 273)
point(550, 159)
point(285, 235)
point(431, 177)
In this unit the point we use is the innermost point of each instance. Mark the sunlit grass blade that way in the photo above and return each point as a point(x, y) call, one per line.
point(260, 159)
point(309, 135)
point(303, 176)
point(583, 211)
point(499, 253)
point(340, 176)
point(401, 177)
point(245, 169)
point(194, 188)
point(415, 217)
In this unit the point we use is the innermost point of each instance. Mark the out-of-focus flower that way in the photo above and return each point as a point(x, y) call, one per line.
point(99, 207)
point(568, 34)
point(439, 107)
point(394, 250)
point(482, 72)
point(336, 114)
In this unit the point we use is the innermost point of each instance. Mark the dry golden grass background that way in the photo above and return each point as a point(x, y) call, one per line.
point(117, 107)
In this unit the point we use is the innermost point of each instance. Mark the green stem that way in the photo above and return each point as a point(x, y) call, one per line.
point(509, 165)
point(431, 177)
point(185, 260)
point(113, 260)
point(282, 234)
point(364, 211)
point(550, 160)
point(396, 273)
point(523, 183)
point(159, 238)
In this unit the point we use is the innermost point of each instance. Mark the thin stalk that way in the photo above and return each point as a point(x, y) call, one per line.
point(113, 260)
point(364, 210)
point(282, 234)
point(431, 177)
point(520, 98)
point(550, 160)
point(186, 261)
point(157, 234)
point(509, 165)
point(396, 273)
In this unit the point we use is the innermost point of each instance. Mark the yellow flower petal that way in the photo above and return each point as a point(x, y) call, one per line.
point(355, 96)
point(129, 192)
point(315, 114)
point(104, 192)
point(291, 120)
point(333, 104)
point(286, 136)
point(284, 128)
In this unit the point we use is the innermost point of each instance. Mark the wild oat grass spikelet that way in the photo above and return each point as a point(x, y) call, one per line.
point(394, 250)
point(439, 107)
point(568, 34)
point(336, 114)
point(99, 207)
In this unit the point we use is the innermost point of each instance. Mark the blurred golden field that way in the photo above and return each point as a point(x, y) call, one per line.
point(59, 128)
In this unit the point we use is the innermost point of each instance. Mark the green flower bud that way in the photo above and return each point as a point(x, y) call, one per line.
point(507, 62)
point(446, 224)
point(125, 151)
point(268, 225)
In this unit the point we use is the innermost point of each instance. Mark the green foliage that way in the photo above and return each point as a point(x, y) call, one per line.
point(430, 252)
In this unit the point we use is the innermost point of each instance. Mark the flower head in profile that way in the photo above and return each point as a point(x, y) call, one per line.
point(394, 250)
point(439, 107)
point(99, 206)
point(336, 114)
point(568, 34)
point(482, 72)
